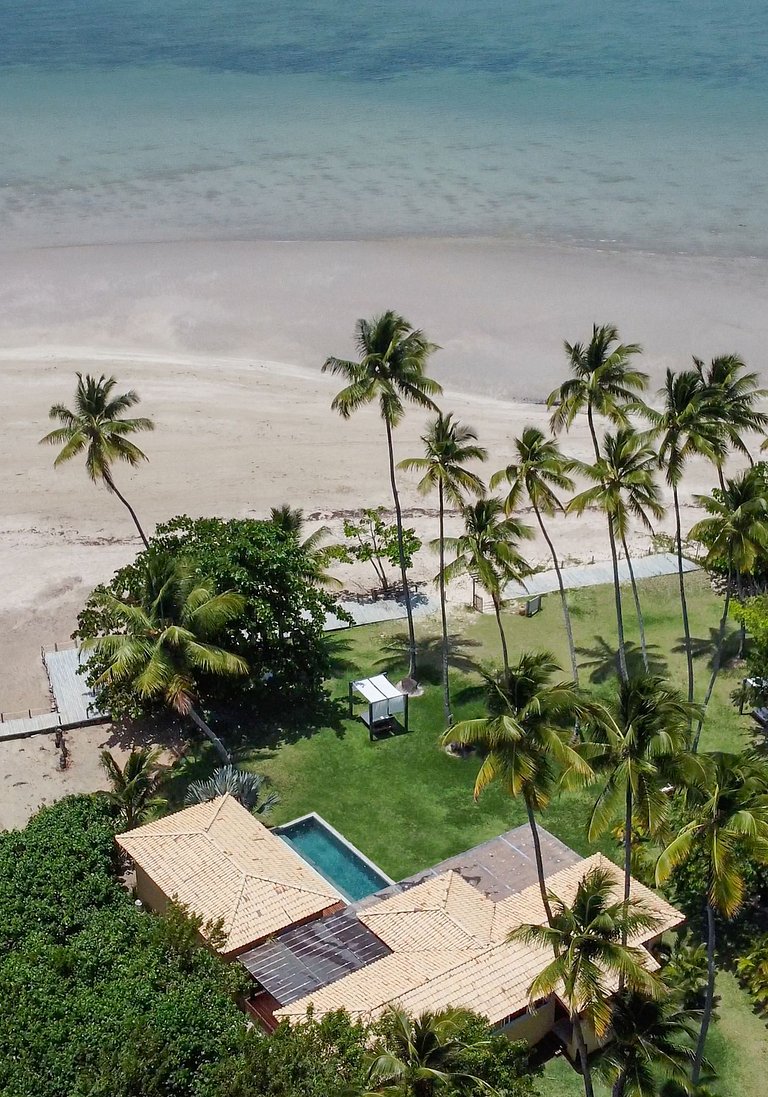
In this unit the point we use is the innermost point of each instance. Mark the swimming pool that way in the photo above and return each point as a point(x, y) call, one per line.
point(344, 866)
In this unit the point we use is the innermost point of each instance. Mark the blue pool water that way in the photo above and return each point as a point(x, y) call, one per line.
point(341, 865)
point(624, 124)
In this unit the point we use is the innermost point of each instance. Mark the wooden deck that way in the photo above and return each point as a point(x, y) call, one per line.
point(72, 703)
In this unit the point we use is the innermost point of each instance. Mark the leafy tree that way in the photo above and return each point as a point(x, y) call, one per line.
point(624, 487)
point(375, 542)
point(586, 939)
point(650, 1041)
point(728, 821)
point(526, 737)
point(97, 426)
point(391, 372)
point(247, 788)
point(752, 970)
point(603, 380)
point(688, 424)
point(319, 554)
point(163, 639)
point(134, 793)
point(487, 551)
point(539, 471)
point(449, 446)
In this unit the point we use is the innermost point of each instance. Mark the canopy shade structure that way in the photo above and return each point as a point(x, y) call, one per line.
point(384, 702)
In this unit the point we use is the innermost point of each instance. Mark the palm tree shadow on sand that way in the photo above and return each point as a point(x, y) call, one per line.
point(602, 661)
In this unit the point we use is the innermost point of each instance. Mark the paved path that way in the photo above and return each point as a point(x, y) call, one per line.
point(384, 609)
point(594, 575)
point(72, 703)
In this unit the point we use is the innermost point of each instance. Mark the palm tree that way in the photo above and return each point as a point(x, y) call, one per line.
point(736, 537)
point(487, 551)
point(246, 788)
point(539, 472)
point(728, 826)
point(586, 939)
point(393, 356)
point(290, 520)
point(736, 393)
point(526, 737)
point(421, 1056)
point(642, 748)
point(98, 427)
point(624, 487)
point(448, 447)
point(164, 639)
point(134, 792)
point(688, 424)
point(602, 380)
point(650, 1041)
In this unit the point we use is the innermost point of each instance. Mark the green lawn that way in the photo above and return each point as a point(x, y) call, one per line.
point(407, 805)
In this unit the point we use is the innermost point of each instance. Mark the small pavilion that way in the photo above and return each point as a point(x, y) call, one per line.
point(384, 702)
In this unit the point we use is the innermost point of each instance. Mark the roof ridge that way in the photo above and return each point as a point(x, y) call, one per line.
point(222, 800)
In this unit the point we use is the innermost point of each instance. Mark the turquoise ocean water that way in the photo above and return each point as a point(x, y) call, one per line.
point(637, 124)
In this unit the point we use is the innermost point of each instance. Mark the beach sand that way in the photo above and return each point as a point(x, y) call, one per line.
point(223, 343)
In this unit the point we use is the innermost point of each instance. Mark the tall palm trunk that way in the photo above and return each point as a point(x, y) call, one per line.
point(592, 431)
point(401, 554)
point(707, 1014)
point(581, 1044)
point(443, 615)
point(211, 735)
point(683, 600)
point(111, 486)
point(627, 864)
point(617, 598)
point(718, 656)
point(563, 596)
point(638, 608)
point(743, 629)
point(539, 860)
point(504, 652)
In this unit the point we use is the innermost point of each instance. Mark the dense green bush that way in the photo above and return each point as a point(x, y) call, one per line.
point(752, 970)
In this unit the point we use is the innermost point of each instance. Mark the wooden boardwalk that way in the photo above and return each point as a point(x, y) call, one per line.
point(72, 703)
point(383, 609)
point(594, 575)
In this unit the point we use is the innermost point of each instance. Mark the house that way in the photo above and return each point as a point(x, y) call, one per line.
point(221, 862)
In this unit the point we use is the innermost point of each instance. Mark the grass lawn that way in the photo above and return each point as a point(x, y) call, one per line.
point(407, 805)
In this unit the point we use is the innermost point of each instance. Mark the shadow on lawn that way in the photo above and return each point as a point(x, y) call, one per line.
point(705, 647)
point(602, 660)
point(429, 653)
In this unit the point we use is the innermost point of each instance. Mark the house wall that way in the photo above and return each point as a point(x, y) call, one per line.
point(533, 1025)
point(150, 894)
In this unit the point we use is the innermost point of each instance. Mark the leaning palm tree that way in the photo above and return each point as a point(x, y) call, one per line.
point(421, 1055)
point(735, 534)
point(539, 471)
point(650, 1042)
point(736, 393)
point(98, 427)
point(290, 520)
point(688, 423)
point(586, 939)
point(641, 750)
point(527, 738)
point(163, 640)
point(728, 826)
point(247, 788)
point(449, 446)
point(390, 371)
point(134, 792)
point(487, 551)
point(603, 380)
point(624, 487)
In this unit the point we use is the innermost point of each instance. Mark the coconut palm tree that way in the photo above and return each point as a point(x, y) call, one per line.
point(735, 534)
point(247, 788)
point(650, 1042)
point(421, 1055)
point(163, 639)
point(586, 939)
point(487, 551)
point(641, 749)
point(390, 371)
point(624, 487)
point(448, 446)
point(736, 394)
point(688, 423)
point(539, 471)
point(98, 427)
point(134, 792)
point(728, 826)
point(527, 738)
point(290, 520)
point(603, 380)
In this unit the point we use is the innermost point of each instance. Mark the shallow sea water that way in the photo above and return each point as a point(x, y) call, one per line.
point(641, 125)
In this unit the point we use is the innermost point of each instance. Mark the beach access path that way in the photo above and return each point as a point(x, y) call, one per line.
point(598, 574)
point(72, 702)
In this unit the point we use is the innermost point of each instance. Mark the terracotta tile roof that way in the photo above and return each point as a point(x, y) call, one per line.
point(450, 948)
point(222, 863)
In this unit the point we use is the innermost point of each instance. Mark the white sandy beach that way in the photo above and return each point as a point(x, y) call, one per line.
point(224, 343)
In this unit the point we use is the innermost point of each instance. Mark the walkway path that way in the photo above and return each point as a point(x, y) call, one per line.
point(383, 609)
point(594, 575)
point(72, 703)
